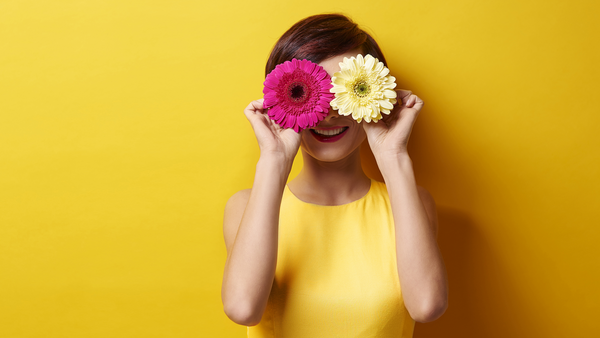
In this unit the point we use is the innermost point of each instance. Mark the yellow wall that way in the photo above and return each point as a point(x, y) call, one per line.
point(122, 136)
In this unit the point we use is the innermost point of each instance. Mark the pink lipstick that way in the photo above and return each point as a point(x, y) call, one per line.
point(329, 138)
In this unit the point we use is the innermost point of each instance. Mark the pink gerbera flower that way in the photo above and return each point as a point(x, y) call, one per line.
point(297, 93)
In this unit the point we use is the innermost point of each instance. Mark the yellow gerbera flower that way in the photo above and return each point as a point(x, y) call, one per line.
point(363, 88)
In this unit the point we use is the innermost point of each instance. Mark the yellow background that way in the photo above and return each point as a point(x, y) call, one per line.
point(122, 136)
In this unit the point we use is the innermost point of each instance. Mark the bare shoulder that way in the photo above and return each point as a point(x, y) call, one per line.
point(234, 210)
point(240, 196)
point(429, 204)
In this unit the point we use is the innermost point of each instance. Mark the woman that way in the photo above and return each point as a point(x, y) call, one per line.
point(333, 253)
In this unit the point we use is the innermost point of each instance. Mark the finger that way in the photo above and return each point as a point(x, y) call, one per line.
point(419, 104)
point(257, 104)
point(253, 107)
point(403, 94)
point(409, 114)
point(415, 102)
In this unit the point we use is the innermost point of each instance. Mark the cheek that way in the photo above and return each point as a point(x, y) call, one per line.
point(305, 137)
point(359, 131)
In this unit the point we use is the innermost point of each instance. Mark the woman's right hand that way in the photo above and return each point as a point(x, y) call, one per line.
point(272, 139)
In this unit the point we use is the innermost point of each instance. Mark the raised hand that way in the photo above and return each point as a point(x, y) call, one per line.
point(272, 139)
point(389, 136)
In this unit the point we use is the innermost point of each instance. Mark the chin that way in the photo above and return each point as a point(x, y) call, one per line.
point(328, 156)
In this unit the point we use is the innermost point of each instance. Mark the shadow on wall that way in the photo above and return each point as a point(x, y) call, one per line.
point(456, 239)
point(481, 298)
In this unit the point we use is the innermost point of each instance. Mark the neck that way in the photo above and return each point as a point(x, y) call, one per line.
point(331, 183)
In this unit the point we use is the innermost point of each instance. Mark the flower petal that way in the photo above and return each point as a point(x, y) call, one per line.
point(299, 111)
point(385, 104)
point(369, 63)
point(366, 104)
point(389, 94)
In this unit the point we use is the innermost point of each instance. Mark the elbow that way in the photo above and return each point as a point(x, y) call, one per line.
point(242, 313)
point(241, 306)
point(431, 311)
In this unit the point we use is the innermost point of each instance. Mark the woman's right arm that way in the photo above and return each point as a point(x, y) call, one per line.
point(251, 222)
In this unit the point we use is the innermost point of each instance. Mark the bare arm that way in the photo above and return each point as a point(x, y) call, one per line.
point(251, 222)
point(252, 243)
point(420, 266)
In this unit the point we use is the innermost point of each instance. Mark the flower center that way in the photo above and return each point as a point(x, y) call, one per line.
point(361, 88)
point(297, 92)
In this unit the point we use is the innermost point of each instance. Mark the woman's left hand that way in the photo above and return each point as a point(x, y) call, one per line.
point(389, 136)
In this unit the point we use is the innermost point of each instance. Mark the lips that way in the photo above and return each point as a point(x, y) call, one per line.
point(331, 134)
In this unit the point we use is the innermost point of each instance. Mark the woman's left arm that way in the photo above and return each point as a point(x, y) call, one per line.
point(421, 269)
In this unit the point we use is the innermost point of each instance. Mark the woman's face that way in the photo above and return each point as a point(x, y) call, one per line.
point(347, 133)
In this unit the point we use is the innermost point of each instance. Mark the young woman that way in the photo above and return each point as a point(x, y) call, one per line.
point(333, 253)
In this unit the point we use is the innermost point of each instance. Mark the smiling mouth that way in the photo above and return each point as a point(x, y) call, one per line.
point(329, 133)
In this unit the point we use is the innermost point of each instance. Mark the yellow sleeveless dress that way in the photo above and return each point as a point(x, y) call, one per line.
point(336, 272)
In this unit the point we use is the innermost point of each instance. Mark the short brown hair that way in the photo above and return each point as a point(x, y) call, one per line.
point(319, 37)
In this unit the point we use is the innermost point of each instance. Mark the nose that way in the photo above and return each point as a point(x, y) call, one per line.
point(333, 114)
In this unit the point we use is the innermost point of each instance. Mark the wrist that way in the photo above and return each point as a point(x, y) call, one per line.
point(391, 165)
point(270, 177)
point(387, 159)
point(276, 163)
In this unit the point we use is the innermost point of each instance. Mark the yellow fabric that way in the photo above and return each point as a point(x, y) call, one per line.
point(336, 272)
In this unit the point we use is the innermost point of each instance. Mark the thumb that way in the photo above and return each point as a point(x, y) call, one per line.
point(374, 127)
